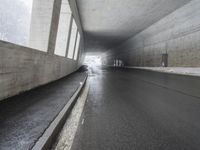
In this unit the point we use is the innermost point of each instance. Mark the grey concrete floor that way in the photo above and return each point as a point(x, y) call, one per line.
point(24, 118)
point(130, 109)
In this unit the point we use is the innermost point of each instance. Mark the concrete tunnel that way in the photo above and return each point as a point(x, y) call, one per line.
point(100, 75)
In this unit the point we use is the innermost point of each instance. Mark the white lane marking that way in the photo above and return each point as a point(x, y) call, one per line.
point(83, 120)
point(66, 137)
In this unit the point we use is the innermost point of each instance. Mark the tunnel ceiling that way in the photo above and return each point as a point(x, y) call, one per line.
point(109, 22)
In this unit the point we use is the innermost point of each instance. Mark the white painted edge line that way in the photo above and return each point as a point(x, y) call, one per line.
point(66, 137)
point(45, 141)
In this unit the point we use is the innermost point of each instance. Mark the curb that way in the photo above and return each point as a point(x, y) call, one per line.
point(158, 71)
point(166, 72)
point(50, 134)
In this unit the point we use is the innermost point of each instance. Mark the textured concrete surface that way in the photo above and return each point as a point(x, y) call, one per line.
point(108, 22)
point(134, 109)
point(25, 117)
point(22, 69)
point(64, 29)
point(41, 24)
point(174, 70)
point(54, 26)
point(176, 34)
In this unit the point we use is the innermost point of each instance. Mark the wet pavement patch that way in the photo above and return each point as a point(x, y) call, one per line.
point(25, 117)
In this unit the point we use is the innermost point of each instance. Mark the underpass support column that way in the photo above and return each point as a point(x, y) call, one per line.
point(54, 26)
point(44, 24)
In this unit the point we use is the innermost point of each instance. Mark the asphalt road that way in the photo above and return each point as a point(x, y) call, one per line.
point(129, 109)
point(24, 118)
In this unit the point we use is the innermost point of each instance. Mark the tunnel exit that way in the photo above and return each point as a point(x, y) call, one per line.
point(93, 60)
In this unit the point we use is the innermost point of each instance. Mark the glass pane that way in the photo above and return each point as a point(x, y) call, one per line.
point(72, 40)
point(63, 29)
point(15, 19)
point(77, 47)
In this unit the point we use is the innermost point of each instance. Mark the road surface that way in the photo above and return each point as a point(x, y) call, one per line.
point(130, 109)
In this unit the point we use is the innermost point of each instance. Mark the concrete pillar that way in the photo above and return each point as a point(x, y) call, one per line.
point(63, 29)
point(54, 26)
point(75, 44)
point(41, 23)
point(69, 35)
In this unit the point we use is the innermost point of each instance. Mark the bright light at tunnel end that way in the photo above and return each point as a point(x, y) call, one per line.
point(92, 60)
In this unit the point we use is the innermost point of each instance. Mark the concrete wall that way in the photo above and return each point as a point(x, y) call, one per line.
point(23, 68)
point(178, 35)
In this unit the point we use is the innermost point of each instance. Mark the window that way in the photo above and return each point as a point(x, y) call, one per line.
point(77, 46)
point(72, 40)
point(63, 29)
point(15, 19)
point(26, 22)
